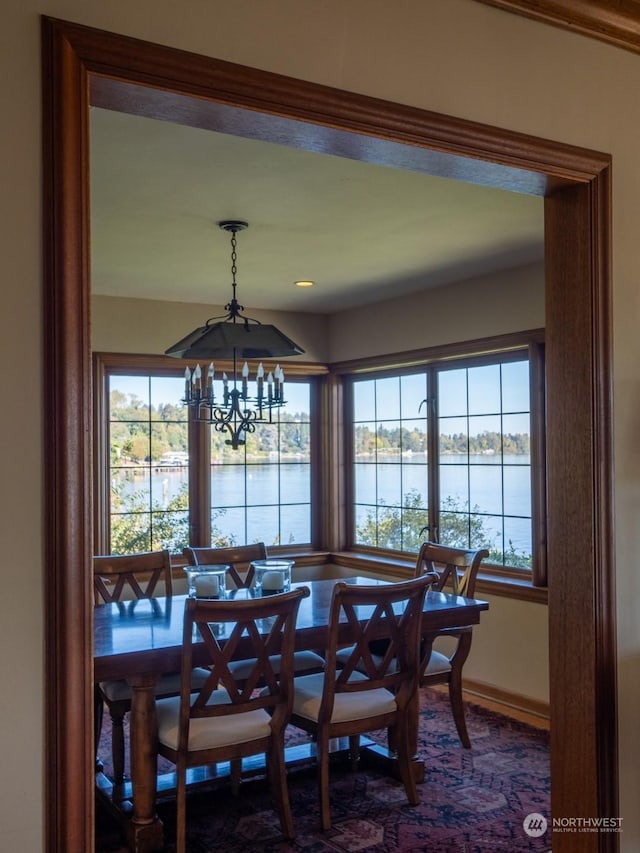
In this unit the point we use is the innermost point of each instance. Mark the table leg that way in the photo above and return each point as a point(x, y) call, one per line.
point(144, 830)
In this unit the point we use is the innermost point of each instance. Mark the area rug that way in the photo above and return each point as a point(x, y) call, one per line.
point(472, 801)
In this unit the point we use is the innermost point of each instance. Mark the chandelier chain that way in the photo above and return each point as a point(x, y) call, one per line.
point(234, 259)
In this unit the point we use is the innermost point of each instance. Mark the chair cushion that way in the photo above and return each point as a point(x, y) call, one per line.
point(437, 663)
point(347, 706)
point(168, 685)
point(343, 655)
point(303, 662)
point(212, 732)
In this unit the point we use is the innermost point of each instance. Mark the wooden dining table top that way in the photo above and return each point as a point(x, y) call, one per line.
point(145, 636)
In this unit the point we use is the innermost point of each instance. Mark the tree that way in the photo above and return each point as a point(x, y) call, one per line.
point(137, 527)
point(399, 528)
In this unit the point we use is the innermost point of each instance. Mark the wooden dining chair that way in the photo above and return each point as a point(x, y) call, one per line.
point(457, 570)
point(225, 720)
point(365, 694)
point(126, 579)
point(238, 558)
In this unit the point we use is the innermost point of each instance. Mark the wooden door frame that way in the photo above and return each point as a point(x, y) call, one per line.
point(83, 66)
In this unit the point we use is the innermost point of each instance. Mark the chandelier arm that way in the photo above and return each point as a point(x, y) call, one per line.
point(234, 421)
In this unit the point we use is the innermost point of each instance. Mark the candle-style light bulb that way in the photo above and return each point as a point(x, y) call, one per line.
point(210, 373)
point(260, 378)
point(245, 377)
point(270, 386)
point(225, 388)
point(196, 380)
point(276, 382)
point(187, 384)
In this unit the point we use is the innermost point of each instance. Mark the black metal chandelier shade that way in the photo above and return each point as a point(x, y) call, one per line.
point(234, 336)
point(243, 338)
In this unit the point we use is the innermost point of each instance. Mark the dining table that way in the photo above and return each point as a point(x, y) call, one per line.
point(140, 640)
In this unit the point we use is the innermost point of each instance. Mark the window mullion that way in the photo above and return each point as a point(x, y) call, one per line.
point(199, 483)
point(433, 447)
point(538, 464)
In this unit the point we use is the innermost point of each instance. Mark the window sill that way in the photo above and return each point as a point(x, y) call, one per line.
point(507, 584)
point(501, 582)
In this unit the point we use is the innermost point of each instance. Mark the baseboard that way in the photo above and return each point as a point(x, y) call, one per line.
point(506, 701)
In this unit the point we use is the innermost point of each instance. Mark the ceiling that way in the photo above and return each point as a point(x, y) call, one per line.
point(362, 232)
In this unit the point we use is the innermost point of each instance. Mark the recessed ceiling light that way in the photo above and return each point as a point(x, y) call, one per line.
point(304, 283)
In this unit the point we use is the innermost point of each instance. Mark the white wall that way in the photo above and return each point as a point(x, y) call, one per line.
point(504, 302)
point(149, 326)
point(451, 56)
point(509, 301)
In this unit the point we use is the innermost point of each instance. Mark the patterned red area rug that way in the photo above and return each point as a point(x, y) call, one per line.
point(472, 801)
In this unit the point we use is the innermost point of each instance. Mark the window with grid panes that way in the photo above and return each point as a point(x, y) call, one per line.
point(444, 452)
point(155, 479)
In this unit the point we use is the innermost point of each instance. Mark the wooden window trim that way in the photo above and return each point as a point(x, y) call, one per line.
point(106, 364)
point(472, 353)
point(477, 348)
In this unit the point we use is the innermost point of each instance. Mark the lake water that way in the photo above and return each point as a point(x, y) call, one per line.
point(250, 497)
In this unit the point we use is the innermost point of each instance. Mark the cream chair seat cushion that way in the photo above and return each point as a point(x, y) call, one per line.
point(116, 691)
point(347, 706)
point(302, 662)
point(437, 662)
point(208, 733)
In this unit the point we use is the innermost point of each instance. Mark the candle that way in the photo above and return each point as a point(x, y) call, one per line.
point(270, 386)
point(206, 587)
point(187, 383)
point(196, 380)
point(245, 376)
point(273, 581)
point(260, 378)
point(276, 377)
point(210, 381)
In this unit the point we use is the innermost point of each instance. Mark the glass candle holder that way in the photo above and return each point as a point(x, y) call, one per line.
point(272, 576)
point(207, 581)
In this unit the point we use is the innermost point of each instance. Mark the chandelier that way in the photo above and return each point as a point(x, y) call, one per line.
point(240, 406)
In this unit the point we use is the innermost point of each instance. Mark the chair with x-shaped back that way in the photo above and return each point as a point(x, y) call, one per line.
point(125, 580)
point(238, 559)
point(457, 571)
point(367, 693)
point(225, 720)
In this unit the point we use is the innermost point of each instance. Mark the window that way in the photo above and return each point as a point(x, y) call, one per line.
point(148, 464)
point(164, 482)
point(484, 459)
point(262, 492)
point(391, 461)
point(446, 451)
